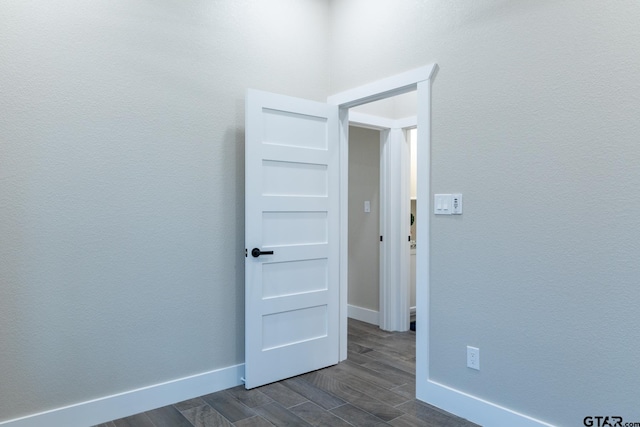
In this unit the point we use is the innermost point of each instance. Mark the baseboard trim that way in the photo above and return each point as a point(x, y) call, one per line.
point(131, 402)
point(475, 409)
point(363, 314)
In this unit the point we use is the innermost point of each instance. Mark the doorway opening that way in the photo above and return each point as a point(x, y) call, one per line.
point(382, 208)
point(420, 80)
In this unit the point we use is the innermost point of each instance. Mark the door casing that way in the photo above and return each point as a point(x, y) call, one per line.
point(419, 79)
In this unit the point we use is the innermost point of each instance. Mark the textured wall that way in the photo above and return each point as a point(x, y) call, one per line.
point(364, 228)
point(122, 189)
point(535, 121)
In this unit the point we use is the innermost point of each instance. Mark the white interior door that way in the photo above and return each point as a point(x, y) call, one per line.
point(292, 217)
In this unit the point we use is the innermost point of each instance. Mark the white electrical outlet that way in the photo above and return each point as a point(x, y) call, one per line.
point(473, 357)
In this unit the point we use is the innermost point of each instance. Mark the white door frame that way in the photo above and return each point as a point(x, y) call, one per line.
point(394, 308)
point(418, 79)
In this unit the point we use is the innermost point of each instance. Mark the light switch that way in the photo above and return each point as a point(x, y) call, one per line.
point(367, 206)
point(447, 204)
point(442, 204)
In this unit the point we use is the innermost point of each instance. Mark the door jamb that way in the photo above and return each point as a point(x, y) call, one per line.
point(419, 79)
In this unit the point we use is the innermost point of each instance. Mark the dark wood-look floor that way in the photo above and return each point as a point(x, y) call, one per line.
point(375, 386)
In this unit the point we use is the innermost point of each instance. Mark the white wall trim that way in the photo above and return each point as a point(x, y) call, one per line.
point(385, 262)
point(132, 402)
point(385, 88)
point(363, 314)
point(394, 195)
point(423, 235)
point(475, 409)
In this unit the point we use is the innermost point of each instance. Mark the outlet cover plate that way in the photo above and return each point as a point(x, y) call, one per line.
point(473, 357)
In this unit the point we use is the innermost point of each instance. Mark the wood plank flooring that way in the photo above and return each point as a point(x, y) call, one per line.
point(375, 386)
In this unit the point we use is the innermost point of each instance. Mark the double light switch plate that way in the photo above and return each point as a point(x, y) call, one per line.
point(447, 204)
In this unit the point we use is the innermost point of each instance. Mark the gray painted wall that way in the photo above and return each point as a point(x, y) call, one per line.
point(364, 228)
point(122, 189)
point(535, 121)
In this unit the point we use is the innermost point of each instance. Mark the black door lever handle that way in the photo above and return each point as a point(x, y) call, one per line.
point(255, 252)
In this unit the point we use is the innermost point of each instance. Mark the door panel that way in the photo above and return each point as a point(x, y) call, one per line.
point(292, 209)
point(294, 129)
point(294, 277)
point(294, 179)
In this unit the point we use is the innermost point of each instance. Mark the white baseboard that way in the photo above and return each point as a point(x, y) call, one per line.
point(473, 408)
point(363, 314)
point(132, 402)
